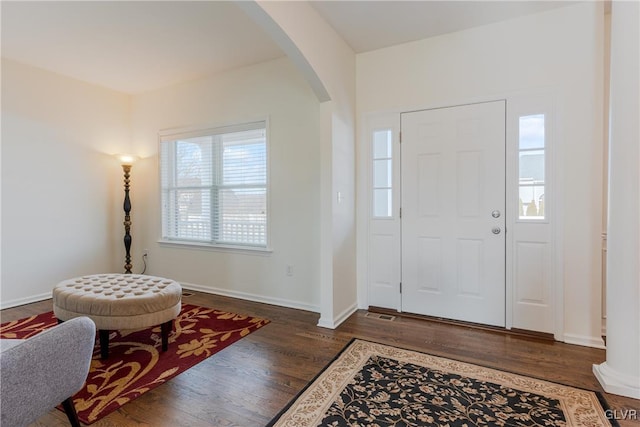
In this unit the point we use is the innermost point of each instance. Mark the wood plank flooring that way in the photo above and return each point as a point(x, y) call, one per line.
point(249, 382)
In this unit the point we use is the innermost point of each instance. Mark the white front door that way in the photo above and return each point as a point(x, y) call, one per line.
point(453, 212)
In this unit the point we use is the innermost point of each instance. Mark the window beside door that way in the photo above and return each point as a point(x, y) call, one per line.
point(531, 167)
point(382, 149)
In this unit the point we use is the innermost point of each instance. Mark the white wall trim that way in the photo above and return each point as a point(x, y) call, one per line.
point(27, 300)
point(252, 297)
point(584, 340)
point(615, 382)
point(326, 323)
point(557, 230)
point(334, 323)
point(362, 211)
point(208, 290)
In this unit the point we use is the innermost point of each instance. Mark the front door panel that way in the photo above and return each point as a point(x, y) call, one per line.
point(453, 204)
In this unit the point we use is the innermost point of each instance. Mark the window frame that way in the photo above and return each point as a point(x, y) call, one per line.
point(172, 135)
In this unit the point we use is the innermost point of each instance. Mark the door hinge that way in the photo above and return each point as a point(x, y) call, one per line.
point(400, 137)
point(400, 213)
point(400, 287)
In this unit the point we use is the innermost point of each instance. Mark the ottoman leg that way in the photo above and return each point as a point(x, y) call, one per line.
point(165, 329)
point(104, 343)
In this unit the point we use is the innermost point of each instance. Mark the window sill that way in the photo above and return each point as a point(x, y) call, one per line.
point(246, 250)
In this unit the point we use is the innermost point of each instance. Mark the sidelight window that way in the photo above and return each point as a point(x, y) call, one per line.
point(382, 149)
point(531, 167)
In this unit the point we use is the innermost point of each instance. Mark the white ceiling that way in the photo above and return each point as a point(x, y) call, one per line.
point(133, 46)
point(371, 25)
point(137, 46)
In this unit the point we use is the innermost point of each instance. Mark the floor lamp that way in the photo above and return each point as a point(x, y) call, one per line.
point(127, 161)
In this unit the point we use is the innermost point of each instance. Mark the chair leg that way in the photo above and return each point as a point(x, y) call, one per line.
point(104, 343)
point(165, 328)
point(70, 410)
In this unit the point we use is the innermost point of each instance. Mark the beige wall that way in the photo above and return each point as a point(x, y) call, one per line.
point(328, 64)
point(275, 90)
point(61, 186)
point(65, 119)
point(527, 55)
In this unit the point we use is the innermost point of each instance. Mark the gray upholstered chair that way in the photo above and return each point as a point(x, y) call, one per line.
point(43, 371)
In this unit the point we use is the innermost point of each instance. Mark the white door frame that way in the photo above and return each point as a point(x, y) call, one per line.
point(516, 103)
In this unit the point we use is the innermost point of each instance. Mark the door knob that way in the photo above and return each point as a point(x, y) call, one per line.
point(495, 230)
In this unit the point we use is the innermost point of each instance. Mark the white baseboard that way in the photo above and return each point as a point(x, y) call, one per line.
point(216, 291)
point(23, 301)
point(252, 297)
point(584, 340)
point(326, 323)
point(335, 322)
point(614, 382)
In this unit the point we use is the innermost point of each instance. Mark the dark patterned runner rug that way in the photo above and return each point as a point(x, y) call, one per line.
point(372, 384)
point(136, 364)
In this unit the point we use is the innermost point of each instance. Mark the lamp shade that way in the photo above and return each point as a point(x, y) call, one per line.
point(127, 159)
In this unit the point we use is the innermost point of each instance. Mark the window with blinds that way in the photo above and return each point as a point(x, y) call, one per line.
point(214, 186)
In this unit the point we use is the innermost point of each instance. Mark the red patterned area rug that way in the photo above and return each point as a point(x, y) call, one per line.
point(136, 363)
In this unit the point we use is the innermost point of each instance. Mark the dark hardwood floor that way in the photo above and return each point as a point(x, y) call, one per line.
point(249, 382)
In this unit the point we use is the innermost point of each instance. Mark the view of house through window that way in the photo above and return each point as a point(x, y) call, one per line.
point(214, 186)
point(382, 150)
point(531, 166)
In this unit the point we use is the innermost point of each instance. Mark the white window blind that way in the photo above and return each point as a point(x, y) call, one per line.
point(214, 186)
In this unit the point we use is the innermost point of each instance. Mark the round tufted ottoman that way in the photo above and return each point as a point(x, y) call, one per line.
point(119, 301)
